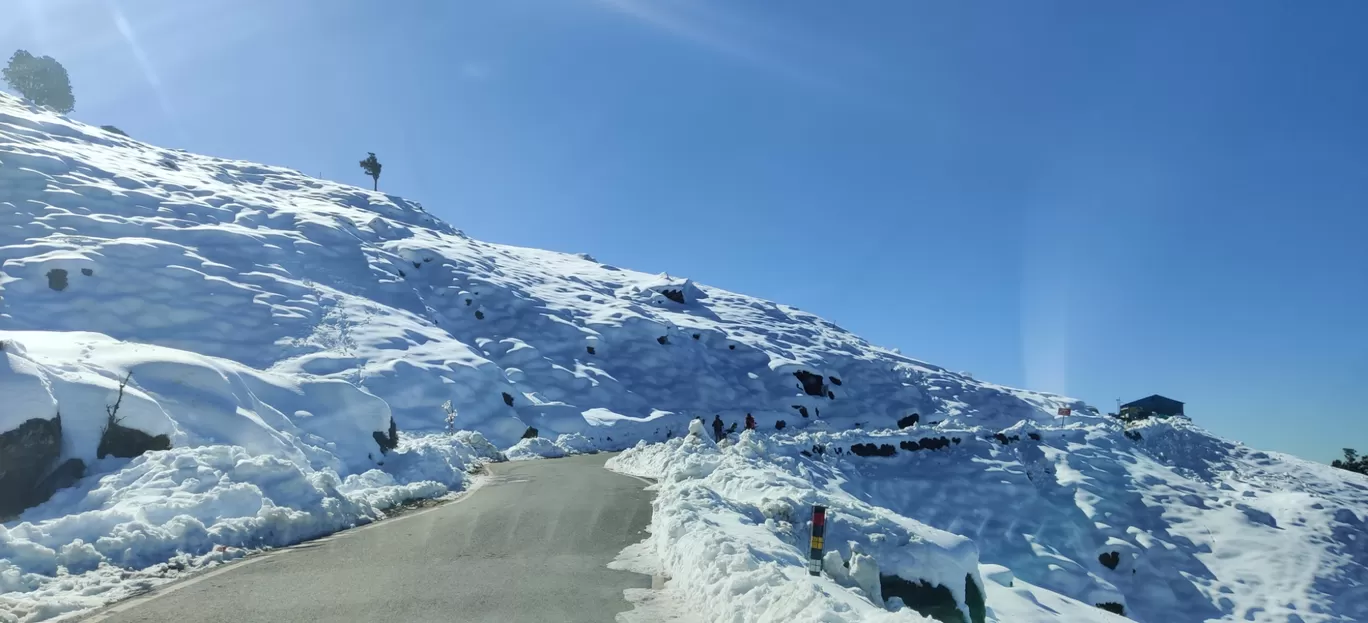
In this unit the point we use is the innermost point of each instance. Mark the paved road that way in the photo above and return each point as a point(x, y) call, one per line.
point(530, 545)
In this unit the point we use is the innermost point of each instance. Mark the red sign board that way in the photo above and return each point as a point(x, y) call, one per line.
point(1065, 411)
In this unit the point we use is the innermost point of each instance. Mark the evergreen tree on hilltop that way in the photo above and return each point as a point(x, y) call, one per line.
point(372, 168)
point(41, 80)
point(1352, 462)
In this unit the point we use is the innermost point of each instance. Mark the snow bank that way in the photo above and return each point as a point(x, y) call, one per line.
point(256, 460)
point(1161, 520)
point(730, 526)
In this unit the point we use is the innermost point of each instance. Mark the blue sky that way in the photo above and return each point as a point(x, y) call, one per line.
point(1105, 200)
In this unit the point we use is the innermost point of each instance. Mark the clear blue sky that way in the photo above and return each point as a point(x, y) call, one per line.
point(1099, 199)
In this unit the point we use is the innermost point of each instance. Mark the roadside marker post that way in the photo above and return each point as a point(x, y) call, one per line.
point(818, 533)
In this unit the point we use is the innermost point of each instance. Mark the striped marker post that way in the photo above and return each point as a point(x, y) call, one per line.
point(818, 533)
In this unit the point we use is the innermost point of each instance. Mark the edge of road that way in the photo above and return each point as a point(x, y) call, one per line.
point(481, 477)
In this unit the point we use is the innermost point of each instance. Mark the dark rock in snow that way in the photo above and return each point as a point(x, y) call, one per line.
point(479, 315)
point(935, 601)
point(64, 476)
point(812, 383)
point(674, 295)
point(1004, 439)
point(731, 347)
point(1112, 607)
point(590, 349)
point(87, 272)
point(801, 410)
point(780, 425)
point(1134, 435)
point(126, 443)
point(831, 395)
point(1034, 436)
point(1109, 559)
point(663, 340)
point(508, 399)
point(531, 433)
point(910, 420)
point(834, 381)
point(869, 449)
point(910, 446)
point(26, 455)
point(696, 336)
point(387, 442)
point(956, 440)
point(57, 279)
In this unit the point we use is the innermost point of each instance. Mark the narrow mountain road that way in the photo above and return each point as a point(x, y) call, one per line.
point(529, 545)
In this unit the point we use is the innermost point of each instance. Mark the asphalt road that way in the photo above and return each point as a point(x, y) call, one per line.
point(529, 545)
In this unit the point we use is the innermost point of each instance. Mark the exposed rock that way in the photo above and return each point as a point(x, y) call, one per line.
point(387, 442)
point(590, 349)
point(1004, 439)
point(1109, 559)
point(731, 347)
point(663, 340)
point(910, 420)
point(124, 442)
point(674, 295)
point(780, 425)
point(869, 449)
point(57, 279)
point(812, 383)
point(87, 272)
point(834, 381)
point(508, 399)
point(831, 395)
point(697, 336)
point(1112, 607)
point(1034, 436)
point(26, 455)
point(531, 433)
point(1134, 435)
point(479, 315)
point(936, 601)
point(64, 476)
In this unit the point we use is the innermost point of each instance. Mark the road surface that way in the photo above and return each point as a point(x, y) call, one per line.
point(529, 545)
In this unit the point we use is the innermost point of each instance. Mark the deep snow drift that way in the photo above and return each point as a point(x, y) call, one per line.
point(277, 329)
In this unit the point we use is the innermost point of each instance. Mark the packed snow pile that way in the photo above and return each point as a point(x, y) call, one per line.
point(1162, 522)
point(200, 357)
point(234, 463)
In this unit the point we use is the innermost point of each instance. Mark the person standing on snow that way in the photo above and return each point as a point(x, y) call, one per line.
point(750, 422)
point(717, 428)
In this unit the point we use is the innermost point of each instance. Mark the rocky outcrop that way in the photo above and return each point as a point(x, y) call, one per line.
point(812, 383)
point(869, 449)
point(390, 441)
point(27, 453)
point(910, 420)
point(124, 442)
point(936, 601)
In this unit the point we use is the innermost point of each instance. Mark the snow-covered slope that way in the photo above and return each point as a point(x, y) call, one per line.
point(276, 328)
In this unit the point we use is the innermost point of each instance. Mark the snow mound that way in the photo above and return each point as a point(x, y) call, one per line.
point(1161, 521)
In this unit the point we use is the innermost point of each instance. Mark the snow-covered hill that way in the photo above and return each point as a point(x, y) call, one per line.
point(278, 331)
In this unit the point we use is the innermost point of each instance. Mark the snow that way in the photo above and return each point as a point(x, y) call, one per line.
point(272, 324)
point(1201, 528)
